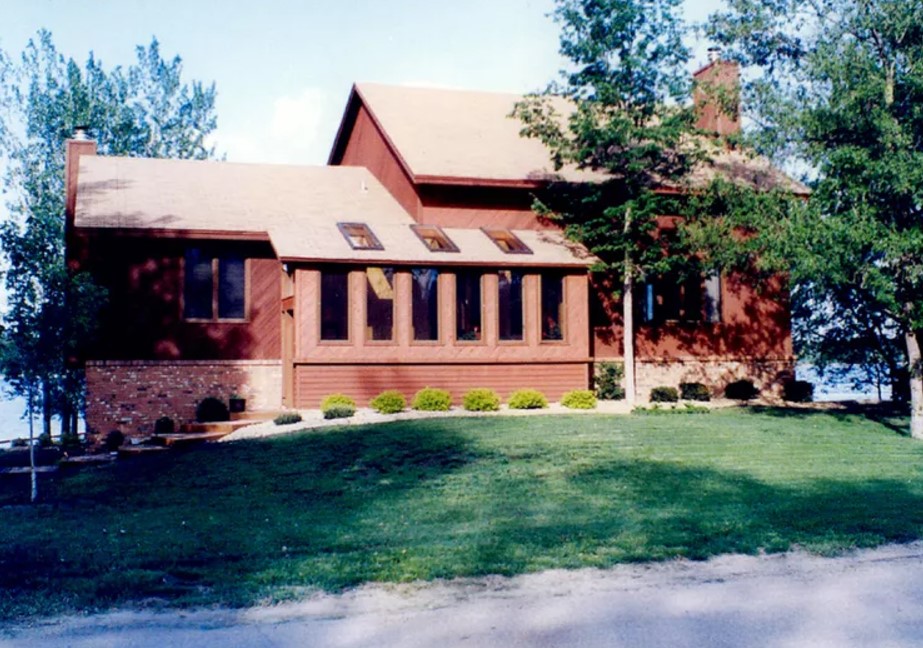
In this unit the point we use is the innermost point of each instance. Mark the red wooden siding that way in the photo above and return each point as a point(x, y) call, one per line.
point(143, 319)
point(474, 206)
point(363, 382)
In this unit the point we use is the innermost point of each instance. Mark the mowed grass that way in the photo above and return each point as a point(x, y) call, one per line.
point(259, 521)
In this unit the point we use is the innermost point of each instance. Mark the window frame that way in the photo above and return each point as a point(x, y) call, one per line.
point(479, 273)
point(364, 231)
point(435, 232)
point(497, 235)
point(367, 334)
point(346, 272)
point(437, 293)
point(522, 299)
point(562, 315)
point(214, 255)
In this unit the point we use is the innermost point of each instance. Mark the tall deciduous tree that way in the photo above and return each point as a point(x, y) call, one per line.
point(627, 115)
point(839, 85)
point(143, 110)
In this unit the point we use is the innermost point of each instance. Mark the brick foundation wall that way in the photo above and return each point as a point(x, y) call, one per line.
point(131, 395)
point(767, 375)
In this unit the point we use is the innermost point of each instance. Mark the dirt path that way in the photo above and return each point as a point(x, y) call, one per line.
point(870, 598)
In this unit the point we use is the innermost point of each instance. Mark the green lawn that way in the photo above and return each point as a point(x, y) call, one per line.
point(263, 520)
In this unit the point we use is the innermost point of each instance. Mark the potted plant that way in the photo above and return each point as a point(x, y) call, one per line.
point(237, 403)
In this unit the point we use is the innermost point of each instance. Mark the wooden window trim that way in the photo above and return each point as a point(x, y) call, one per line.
point(499, 234)
point(448, 245)
point(216, 287)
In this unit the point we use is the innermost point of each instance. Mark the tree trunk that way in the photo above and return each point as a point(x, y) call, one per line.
point(33, 477)
point(915, 365)
point(628, 322)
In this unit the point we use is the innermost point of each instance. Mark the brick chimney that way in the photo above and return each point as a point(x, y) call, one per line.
point(717, 95)
point(74, 148)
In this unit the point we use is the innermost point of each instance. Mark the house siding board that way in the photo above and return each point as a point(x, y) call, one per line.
point(474, 206)
point(363, 382)
point(143, 319)
point(368, 147)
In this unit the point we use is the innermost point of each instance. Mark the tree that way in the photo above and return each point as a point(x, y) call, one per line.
point(838, 86)
point(626, 115)
point(143, 110)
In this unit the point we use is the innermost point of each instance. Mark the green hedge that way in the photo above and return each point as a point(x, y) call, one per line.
point(430, 399)
point(527, 399)
point(481, 400)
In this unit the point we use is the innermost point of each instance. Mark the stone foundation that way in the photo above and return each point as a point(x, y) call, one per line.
point(131, 395)
point(767, 375)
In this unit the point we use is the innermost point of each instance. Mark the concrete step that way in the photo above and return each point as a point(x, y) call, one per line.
point(180, 439)
point(126, 452)
point(256, 415)
point(219, 426)
point(86, 460)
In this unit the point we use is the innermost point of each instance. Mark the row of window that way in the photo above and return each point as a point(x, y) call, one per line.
point(361, 237)
point(425, 307)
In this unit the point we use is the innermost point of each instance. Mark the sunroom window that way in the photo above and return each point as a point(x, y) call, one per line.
point(434, 238)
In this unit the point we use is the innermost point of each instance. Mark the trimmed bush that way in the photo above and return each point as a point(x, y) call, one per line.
point(44, 440)
point(211, 410)
point(114, 440)
point(430, 399)
point(164, 425)
point(527, 399)
point(694, 391)
point(579, 399)
point(70, 441)
point(741, 390)
point(287, 418)
point(389, 402)
point(609, 381)
point(336, 399)
point(339, 411)
point(19, 443)
point(798, 391)
point(664, 395)
point(481, 400)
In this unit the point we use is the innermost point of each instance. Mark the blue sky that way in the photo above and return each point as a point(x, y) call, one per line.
point(283, 68)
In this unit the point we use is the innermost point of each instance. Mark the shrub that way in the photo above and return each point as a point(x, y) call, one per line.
point(70, 440)
point(527, 399)
point(389, 402)
point(336, 399)
point(798, 391)
point(114, 440)
point(430, 399)
point(481, 400)
point(609, 381)
point(19, 443)
point(664, 395)
point(579, 399)
point(741, 390)
point(44, 440)
point(339, 410)
point(164, 425)
point(695, 391)
point(211, 409)
point(287, 418)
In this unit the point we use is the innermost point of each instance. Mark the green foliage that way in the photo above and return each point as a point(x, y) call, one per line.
point(19, 443)
point(164, 425)
point(143, 110)
point(664, 395)
point(45, 440)
point(339, 410)
point(287, 418)
point(694, 391)
point(336, 399)
point(71, 440)
point(741, 390)
point(389, 402)
point(481, 400)
point(430, 399)
point(609, 381)
point(527, 399)
point(579, 399)
point(798, 391)
point(212, 410)
point(114, 440)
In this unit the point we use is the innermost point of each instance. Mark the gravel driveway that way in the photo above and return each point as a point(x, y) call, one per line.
point(869, 598)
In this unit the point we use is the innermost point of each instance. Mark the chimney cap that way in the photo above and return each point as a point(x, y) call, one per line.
point(714, 54)
point(81, 133)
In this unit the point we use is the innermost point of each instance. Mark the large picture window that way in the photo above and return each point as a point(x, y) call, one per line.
point(334, 305)
point(214, 285)
point(509, 305)
point(690, 299)
point(425, 303)
point(468, 306)
point(379, 303)
point(552, 307)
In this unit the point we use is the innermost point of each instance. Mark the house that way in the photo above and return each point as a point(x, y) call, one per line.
point(412, 259)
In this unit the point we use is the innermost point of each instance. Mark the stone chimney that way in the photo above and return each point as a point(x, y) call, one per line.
point(74, 148)
point(717, 95)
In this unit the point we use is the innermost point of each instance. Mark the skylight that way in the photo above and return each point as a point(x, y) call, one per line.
point(506, 240)
point(360, 236)
point(434, 238)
